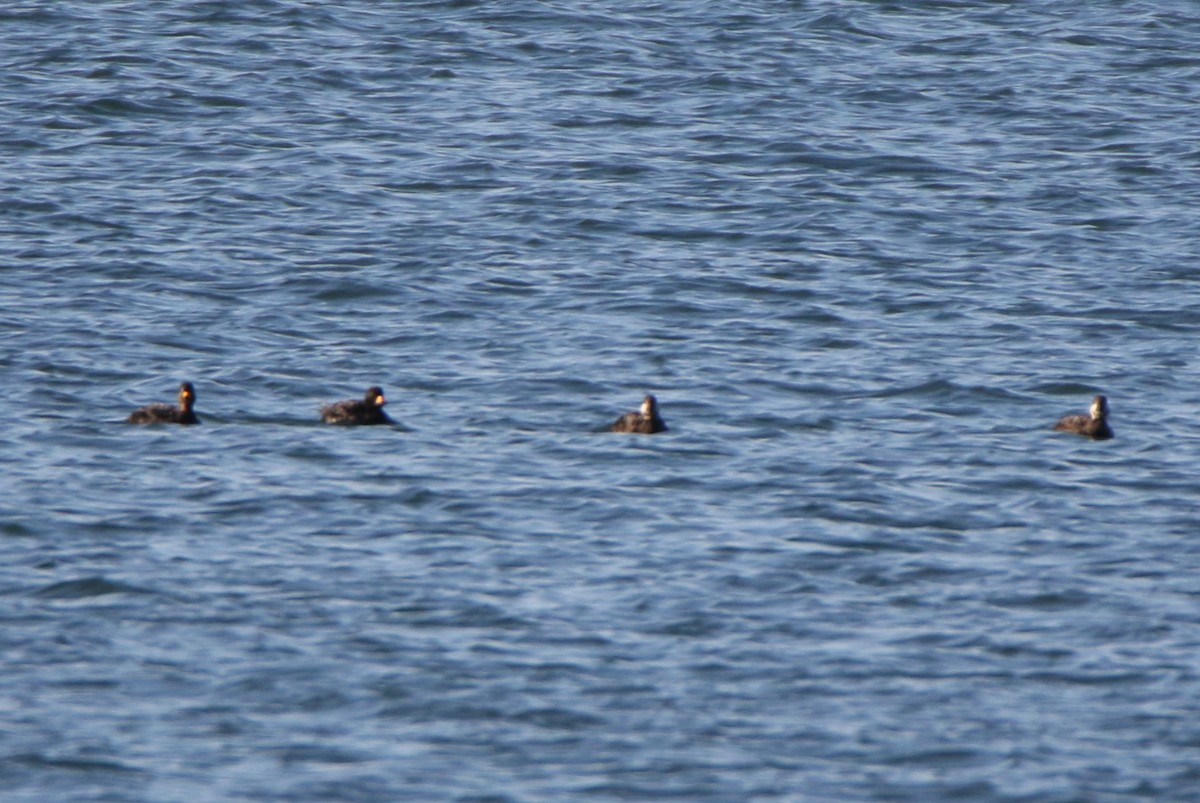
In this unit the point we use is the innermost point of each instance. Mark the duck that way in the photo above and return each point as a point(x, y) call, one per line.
point(645, 421)
point(367, 410)
point(169, 414)
point(1094, 424)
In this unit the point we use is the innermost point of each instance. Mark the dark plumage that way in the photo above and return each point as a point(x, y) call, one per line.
point(368, 410)
point(1094, 425)
point(167, 414)
point(644, 421)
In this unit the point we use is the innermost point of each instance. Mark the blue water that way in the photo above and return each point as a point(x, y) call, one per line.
point(864, 253)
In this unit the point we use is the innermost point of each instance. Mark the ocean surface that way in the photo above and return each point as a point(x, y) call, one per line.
point(864, 253)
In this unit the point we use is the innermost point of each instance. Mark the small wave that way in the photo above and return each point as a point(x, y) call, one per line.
point(87, 587)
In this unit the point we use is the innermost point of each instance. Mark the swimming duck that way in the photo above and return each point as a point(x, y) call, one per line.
point(1094, 424)
point(644, 421)
point(368, 410)
point(167, 414)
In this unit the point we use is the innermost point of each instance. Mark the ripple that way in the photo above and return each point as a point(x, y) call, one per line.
point(86, 587)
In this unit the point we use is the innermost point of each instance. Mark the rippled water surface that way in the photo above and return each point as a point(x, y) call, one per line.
point(864, 253)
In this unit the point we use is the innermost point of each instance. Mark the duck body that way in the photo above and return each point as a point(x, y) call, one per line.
point(364, 411)
point(1093, 424)
point(183, 413)
point(645, 421)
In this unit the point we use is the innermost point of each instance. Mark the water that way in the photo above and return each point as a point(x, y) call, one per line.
point(864, 253)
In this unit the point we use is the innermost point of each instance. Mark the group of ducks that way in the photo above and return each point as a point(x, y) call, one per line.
point(645, 420)
point(368, 410)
